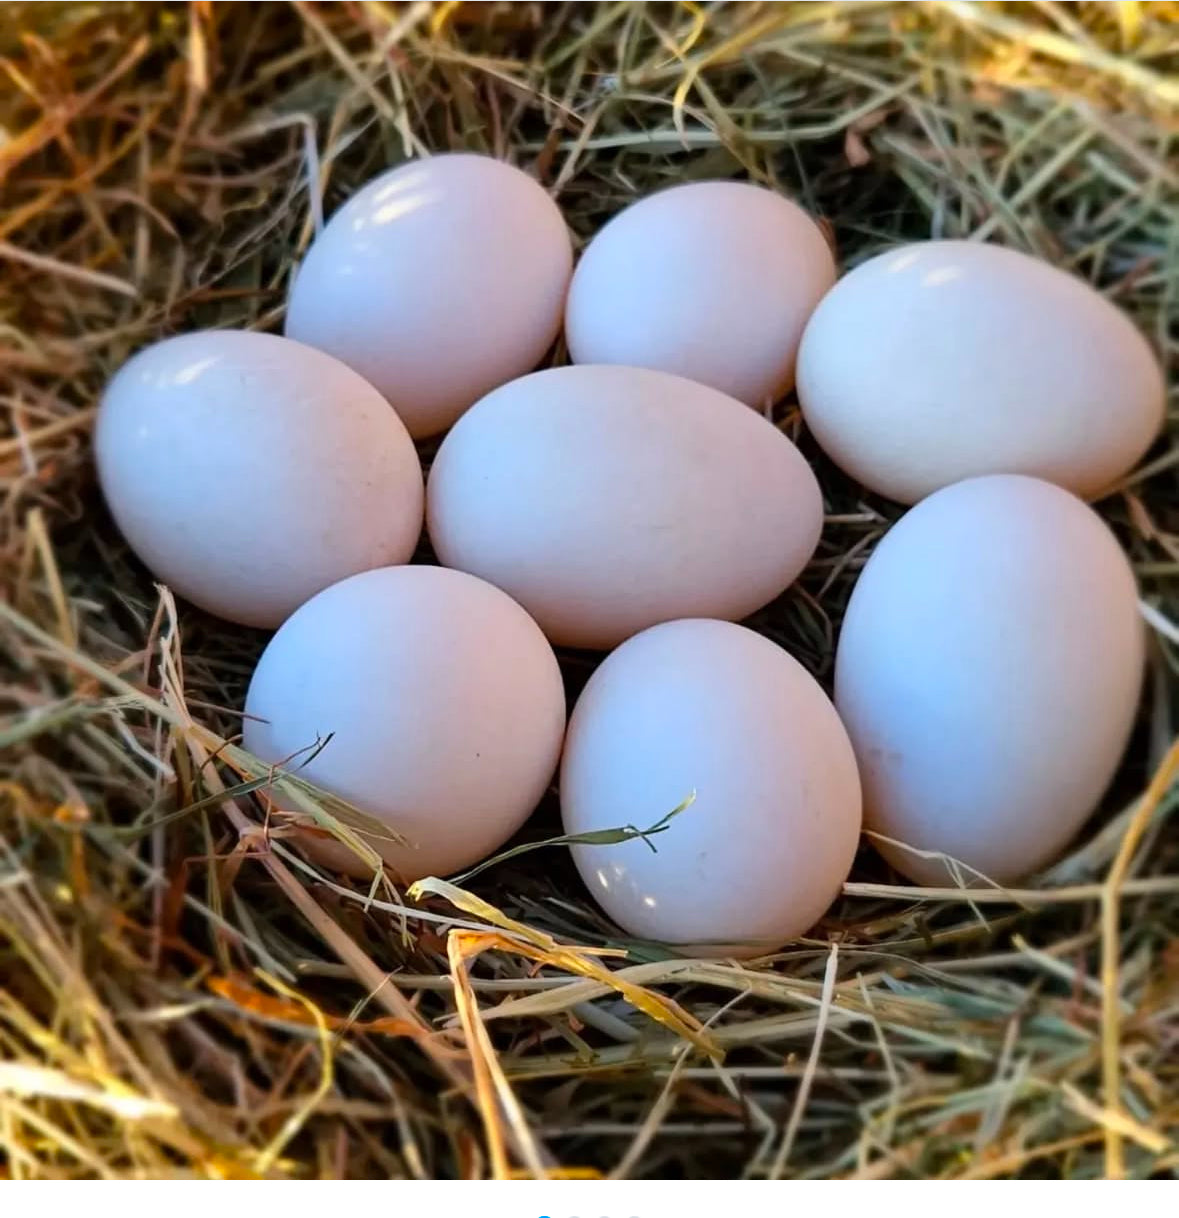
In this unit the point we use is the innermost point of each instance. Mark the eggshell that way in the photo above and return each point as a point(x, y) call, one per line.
point(249, 471)
point(606, 499)
point(943, 360)
point(712, 709)
point(443, 701)
point(712, 280)
point(988, 672)
point(437, 281)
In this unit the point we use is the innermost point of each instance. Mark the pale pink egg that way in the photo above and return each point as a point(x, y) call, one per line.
point(711, 280)
point(440, 702)
point(249, 471)
point(437, 281)
point(606, 499)
point(943, 360)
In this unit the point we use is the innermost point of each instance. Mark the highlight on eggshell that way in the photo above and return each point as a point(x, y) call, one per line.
point(437, 281)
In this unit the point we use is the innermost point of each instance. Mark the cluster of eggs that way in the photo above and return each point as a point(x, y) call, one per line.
point(640, 502)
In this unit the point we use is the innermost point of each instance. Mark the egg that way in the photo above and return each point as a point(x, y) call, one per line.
point(606, 499)
point(440, 702)
point(249, 471)
point(988, 671)
point(437, 281)
point(710, 712)
point(944, 360)
point(711, 280)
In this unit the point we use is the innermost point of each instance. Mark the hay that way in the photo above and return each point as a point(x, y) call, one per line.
point(181, 995)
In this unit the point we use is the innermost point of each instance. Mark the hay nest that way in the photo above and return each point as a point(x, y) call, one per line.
point(181, 994)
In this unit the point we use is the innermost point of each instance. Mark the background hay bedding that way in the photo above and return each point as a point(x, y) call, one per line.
point(179, 995)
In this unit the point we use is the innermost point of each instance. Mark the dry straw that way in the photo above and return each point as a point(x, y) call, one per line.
point(181, 994)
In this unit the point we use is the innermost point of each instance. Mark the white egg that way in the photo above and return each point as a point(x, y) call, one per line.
point(988, 672)
point(711, 712)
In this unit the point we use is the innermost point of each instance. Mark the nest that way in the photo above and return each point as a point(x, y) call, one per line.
point(184, 996)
